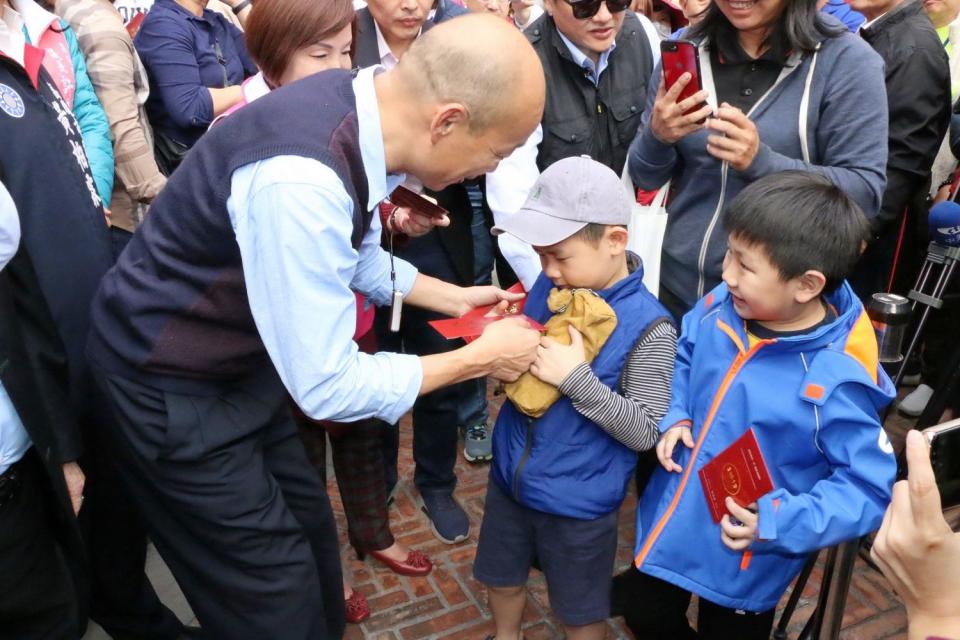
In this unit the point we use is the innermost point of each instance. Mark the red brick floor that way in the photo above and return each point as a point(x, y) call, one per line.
point(450, 604)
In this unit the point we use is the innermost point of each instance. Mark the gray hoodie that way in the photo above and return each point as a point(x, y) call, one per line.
point(842, 89)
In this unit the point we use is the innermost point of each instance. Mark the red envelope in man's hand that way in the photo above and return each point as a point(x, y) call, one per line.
point(471, 325)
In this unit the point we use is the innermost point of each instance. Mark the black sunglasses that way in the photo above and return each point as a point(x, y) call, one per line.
point(583, 9)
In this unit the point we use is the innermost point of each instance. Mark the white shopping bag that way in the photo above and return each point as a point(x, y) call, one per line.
point(648, 223)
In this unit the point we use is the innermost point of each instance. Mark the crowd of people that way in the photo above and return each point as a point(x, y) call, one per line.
point(204, 281)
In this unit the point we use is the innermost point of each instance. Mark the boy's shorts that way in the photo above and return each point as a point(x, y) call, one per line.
point(576, 556)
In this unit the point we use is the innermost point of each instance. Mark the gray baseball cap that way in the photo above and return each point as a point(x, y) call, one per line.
point(569, 195)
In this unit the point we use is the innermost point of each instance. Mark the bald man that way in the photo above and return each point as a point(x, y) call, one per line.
point(237, 293)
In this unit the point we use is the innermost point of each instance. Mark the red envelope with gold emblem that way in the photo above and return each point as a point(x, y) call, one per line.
point(739, 471)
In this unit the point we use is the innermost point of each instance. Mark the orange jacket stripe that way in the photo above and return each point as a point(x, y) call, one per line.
point(735, 367)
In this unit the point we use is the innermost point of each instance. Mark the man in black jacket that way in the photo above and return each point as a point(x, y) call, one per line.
point(597, 57)
point(918, 98)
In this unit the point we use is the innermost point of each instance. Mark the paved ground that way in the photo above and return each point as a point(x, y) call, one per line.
point(449, 604)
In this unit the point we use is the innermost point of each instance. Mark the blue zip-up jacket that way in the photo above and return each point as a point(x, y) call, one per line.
point(846, 141)
point(813, 402)
point(563, 463)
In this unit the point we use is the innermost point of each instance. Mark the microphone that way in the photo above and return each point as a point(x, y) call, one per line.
point(944, 223)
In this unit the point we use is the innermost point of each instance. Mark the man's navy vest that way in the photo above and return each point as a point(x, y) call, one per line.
point(174, 311)
point(562, 462)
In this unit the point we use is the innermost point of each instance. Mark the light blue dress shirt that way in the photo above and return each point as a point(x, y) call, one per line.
point(293, 219)
point(586, 63)
point(14, 441)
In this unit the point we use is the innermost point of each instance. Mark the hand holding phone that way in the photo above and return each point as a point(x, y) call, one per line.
point(681, 104)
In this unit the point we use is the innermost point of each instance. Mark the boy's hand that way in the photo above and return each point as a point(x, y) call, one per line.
point(668, 441)
point(555, 361)
point(738, 531)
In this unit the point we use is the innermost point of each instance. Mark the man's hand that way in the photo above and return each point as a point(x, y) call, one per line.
point(917, 551)
point(75, 479)
point(555, 361)
point(668, 441)
point(740, 534)
point(738, 141)
point(511, 346)
point(414, 224)
point(668, 122)
point(473, 297)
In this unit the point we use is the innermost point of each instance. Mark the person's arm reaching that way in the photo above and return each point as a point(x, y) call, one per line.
point(293, 222)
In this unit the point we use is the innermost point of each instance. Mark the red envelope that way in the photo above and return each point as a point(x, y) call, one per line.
point(471, 325)
point(738, 471)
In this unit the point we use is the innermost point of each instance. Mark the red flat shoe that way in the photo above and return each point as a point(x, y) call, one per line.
point(357, 608)
point(416, 564)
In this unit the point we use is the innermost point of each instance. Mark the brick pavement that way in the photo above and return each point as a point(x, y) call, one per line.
point(450, 605)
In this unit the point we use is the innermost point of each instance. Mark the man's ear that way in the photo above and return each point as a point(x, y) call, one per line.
point(446, 118)
point(809, 285)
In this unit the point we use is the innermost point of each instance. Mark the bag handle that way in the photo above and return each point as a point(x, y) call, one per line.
point(658, 200)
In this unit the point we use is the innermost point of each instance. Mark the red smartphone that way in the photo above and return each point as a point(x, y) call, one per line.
point(679, 57)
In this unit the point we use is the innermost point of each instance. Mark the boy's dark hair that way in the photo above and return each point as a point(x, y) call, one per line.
point(803, 222)
point(591, 233)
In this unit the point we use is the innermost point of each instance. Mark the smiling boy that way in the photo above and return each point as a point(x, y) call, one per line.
point(783, 347)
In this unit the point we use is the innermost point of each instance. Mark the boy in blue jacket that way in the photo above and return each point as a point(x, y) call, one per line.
point(783, 346)
point(557, 481)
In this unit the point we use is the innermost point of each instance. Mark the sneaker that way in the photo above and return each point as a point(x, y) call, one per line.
point(447, 518)
point(916, 401)
point(477, 446)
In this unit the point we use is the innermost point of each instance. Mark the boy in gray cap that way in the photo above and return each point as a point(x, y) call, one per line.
point(557, 481)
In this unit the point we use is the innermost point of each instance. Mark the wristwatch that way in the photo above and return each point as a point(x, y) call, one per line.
point(240, 6)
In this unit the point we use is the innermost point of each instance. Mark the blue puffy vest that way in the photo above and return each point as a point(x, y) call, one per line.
point(563, 463)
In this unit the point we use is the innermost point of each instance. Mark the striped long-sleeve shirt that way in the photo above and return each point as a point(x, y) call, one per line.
point(632, 413)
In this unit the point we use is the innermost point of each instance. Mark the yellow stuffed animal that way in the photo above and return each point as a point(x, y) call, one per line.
point(591, 316)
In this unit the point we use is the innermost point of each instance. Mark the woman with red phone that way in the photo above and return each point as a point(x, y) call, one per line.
point(782, 87)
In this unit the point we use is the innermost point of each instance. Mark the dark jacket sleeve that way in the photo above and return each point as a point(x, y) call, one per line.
point(918, 95)
point(36, 374)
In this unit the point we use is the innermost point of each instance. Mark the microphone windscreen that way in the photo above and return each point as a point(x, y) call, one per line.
point(944, 223)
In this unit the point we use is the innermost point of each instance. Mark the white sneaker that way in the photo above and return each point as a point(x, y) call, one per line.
point(916, 401)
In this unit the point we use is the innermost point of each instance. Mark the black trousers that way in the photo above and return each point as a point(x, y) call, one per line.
point(37, 598)
point(654, 610)
point(234, 507)
point(436, 414)
point(122, 599)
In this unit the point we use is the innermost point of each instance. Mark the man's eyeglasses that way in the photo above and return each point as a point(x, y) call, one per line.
point(583, 9)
